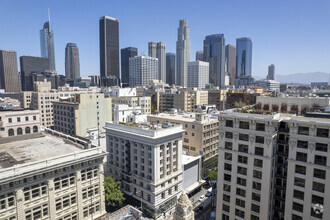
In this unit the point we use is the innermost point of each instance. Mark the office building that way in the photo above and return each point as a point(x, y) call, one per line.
point(182, 53)
point(235, 99)
point(198, 74)
point(109, 51)
point(19, 122)
point(72, 65)
point(218, 98)
point(75, 116)
point(47, 177)
point(272, 167)
point(170, 68)
point(231, 63)
point(148, 161)
point(124, 113)
point(157, 49)
point(126, 53)
point(95, 80)
point(271, 72)
point(47, 44)
point(134, 101)
point(199, 55)
point(9, 77)
point(243, 57)
point(214, 53)
point(201, 136)
point(142, 69)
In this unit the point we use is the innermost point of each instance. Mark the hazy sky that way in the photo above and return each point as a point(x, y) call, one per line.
point(294, 35)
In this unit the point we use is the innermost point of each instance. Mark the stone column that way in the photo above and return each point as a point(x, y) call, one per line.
point(20, 203)
point(79, 195)
point(51, 199)
point(101, 190)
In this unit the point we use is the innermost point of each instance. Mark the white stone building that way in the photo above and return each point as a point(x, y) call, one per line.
point(198, 74)
point(125, 113)
point(142, 69)
point(148, 161)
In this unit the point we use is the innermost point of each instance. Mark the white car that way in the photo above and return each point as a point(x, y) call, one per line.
point(201, 198)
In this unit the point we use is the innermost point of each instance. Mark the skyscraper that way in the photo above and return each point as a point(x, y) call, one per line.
point(231, 62)
point(214, 53)
point(170, 68)
point(126, 53)
point(198, 74)
point(31, 65)
point(157, 49)
point(9, 78)
point(47, 44)
point(271, 72)
point(199, 55)
point(182, 53)
point(109, 51)
point(72, 65)
point(243, 57)
point(142, 69)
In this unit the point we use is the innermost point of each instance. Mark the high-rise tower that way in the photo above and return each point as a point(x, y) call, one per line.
point(72, 65)
point(182, 53)
point(126, 53)
point(157, 49)
point(47, 43)
point(231, 62)
point(214, 53)
point(271, 72)
point(9, 79)
point(243, 57)
point(170, 68)
point(109, 51)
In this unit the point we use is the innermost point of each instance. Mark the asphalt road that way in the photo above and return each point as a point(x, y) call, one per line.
point(194, 199)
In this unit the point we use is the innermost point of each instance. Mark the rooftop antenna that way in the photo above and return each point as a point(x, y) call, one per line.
point(49, 18)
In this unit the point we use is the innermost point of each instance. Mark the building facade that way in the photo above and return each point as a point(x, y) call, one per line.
point(47, 44)
point(214, 53)
point(199, 55)
point(170, 68)
point(126, 53)
point(72, 65)
point(182, 53)
point(198, 74)
point(157, 49)
point(271, 72)
point(148, 164)
point(142, 69)
point(109, 51)
point(231, 63)
point(9, 78)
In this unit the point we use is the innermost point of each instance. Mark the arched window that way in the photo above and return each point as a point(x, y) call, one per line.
point(11, 132)
point(19, 131)
point(35, 129)
point(27, 130)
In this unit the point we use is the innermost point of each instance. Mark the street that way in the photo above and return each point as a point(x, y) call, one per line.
point(195, 198)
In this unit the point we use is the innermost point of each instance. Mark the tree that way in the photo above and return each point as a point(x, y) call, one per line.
point(113, 195)
point(213, 175)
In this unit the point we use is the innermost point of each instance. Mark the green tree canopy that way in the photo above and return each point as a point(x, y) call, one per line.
point(113, 195)
point(213, 175)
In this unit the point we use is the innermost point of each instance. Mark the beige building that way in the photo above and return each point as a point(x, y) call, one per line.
point(25, 99)
point(216, 97)
point(75, 116)
point(19, 122)
point(201, 136)
point(47, 177)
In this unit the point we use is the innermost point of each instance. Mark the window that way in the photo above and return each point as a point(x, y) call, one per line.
point(301, 157)
point(10, 120)
point(303, 130)
point(227, 167)
point(299, 182)
point(259, 151)
point(26, 118)
point(11, 132)
point(300, 169)
point(260, 127)
point(243, 148)
point(227, 177)
point(163, 195)
point(18, 119)
point(257, 174)
point(241, 170)
point(255, 208)
point(320, 160)
point(242, 159)
point(319, 173)
point(228, 145)
point(302, 144)
point(228, 156)
point(239, 213)
point(317, 200)
point(226, 187)
point(225, 208)
point(241, 181)
point(243, 137)
point(298, 207)
point(229, 123)
point(318, 187)
point(244, 125)
point(240, 192)
point(321, 147)
point(298, 194)
point(240, 203)
point(260, 140)
point(256, 197)
point(322, 132)
point(229, 135)
point(226, 198)
point(296, 217)
point(256, 185)
point(253, 217)
point(186, 140)
point(34, 118)
point(258, 163)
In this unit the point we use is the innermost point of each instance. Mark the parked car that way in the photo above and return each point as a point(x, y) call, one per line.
point(208, 194)
point(201, 198)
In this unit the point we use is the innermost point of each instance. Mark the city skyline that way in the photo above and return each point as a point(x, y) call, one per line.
point(285, 41)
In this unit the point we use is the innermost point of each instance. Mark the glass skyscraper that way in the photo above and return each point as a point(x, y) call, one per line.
point(47, 44)
point(182, 53)
point(243, 57)
point(72, 65)
point(214, 53)
point(126, 53)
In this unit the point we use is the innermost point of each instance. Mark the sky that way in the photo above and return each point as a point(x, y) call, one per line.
point(294, 35)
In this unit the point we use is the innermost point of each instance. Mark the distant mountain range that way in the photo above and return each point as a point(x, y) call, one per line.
point(303, 78)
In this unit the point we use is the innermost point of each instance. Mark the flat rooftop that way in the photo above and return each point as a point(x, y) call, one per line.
point(34, 149)
point(185, 117)
point(188, 158)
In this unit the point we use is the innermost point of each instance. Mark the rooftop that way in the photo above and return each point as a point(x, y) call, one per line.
point(185, 117)
point(188, 158)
